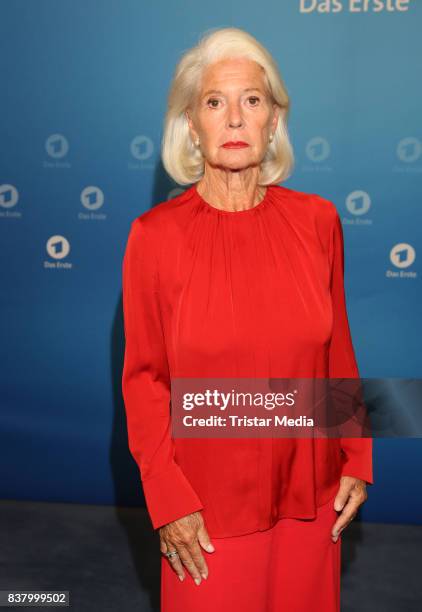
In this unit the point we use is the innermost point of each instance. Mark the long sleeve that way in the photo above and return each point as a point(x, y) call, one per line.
point(146, 384)
point(342, 362)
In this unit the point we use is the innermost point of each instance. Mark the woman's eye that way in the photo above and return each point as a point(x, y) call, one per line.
point(211, 101)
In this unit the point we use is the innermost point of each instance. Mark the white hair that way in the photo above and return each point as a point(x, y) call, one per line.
point(181, 159)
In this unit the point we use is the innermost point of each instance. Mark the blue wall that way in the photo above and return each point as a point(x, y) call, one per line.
point(84, 88)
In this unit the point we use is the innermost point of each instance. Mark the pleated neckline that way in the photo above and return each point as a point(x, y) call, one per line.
point(218, 211)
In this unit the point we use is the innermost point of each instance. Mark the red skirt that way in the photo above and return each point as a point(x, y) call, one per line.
point(292, 567)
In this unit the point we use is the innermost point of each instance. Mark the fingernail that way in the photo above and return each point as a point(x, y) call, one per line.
point(204, 576)
point(180, 577)
point(210, 548)
point(198, 581)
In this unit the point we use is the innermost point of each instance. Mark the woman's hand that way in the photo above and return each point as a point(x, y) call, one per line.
point(351, 494)
point(185, 535)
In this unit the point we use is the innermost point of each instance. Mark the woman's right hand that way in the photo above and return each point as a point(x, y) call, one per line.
point(186, 536)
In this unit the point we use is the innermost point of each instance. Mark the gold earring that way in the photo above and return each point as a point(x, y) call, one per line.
point(197, 142)
point(271, 137)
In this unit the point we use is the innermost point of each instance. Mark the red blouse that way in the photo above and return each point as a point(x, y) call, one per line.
point(235, 294)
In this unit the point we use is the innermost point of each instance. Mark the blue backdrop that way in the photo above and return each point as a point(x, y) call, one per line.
point(84, 87)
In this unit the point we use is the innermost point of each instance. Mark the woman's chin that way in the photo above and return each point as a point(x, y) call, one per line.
point(235, 163)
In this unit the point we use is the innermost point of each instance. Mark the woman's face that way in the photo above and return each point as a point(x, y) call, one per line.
point(233, 105)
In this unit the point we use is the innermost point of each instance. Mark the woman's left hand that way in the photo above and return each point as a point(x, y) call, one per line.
point(351, 494)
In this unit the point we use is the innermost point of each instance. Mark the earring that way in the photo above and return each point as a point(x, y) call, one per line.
point(197, 142)
point(271, 137)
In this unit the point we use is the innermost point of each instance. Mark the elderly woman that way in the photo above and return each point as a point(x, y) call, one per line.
point(238, 276)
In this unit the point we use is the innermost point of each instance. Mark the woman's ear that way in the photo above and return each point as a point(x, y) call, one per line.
point(192, 131)
point(188, 118)
point(276, 116)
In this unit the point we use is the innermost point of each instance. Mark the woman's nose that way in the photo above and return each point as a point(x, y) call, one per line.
point(234, 116)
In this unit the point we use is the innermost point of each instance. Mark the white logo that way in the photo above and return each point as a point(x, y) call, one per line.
point(57, 247)
point(56, 146)
point(9, 196)
point(141, 147)
point(402, 255)
point(358, 202)
point(325, 7)
point(92, 197)
point(317, 149)
point(409, 149)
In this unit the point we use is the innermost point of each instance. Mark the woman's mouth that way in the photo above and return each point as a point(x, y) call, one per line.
point(235, 144)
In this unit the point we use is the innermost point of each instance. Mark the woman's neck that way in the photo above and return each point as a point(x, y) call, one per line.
point(231, 190)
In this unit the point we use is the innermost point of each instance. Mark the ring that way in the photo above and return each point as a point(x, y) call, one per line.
point(172, 553)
